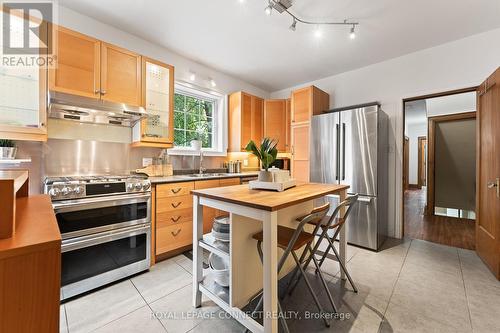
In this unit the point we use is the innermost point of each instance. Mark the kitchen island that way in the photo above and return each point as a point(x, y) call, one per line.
point(251, 211)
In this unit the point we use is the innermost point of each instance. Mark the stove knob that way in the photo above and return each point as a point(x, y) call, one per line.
point(146, 186)
point(138, 186)
point(78, 190)
point(66, 190)
point(130, 187)
point(54, 192)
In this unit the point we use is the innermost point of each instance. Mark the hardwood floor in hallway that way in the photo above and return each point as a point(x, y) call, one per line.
point(438, 229)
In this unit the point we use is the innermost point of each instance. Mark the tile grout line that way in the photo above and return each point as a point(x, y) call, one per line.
point(394, 286)
point(66, 317)
point(465, 291)
point(150, 308)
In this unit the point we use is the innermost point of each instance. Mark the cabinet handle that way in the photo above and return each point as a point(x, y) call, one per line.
point(103, 92)
point(175, 219)
point(175, 233)
point(176, 205)
point(175, 191)
point(42, 124)
point(97, 91)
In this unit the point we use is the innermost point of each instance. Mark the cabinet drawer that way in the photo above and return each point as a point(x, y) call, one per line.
point(229, 181)
point(173, 237)
point(174, 217)
point(202, 184)
point(169, 204)
point(174, 189)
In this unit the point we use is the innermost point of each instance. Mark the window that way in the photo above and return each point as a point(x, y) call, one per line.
point(193, 119)
point(199, 114)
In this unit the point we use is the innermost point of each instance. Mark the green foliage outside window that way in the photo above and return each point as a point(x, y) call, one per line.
point(193, 119)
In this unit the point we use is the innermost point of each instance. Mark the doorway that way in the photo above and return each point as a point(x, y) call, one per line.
point(421, 220)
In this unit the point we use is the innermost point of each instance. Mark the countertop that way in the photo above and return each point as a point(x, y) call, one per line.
point(270, 200)
point(185, 178)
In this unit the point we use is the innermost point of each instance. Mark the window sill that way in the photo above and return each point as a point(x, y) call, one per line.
point(191, 152)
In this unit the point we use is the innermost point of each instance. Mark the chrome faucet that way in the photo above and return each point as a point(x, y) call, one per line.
point(202, 169)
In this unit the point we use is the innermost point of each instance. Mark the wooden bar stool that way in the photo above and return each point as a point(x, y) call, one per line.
point(291, 240)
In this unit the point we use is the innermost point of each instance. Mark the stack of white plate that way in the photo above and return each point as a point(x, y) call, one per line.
point(219, 267)
point(221, 228)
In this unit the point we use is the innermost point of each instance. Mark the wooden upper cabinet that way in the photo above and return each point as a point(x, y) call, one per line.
point(288, 113)
point(120, 75)
point(246, 114)
point(300, 152)
point(275, 122)
point(306, 102)
point(78, 64)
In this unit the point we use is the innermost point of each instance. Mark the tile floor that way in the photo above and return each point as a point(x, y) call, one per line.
point(411, 286)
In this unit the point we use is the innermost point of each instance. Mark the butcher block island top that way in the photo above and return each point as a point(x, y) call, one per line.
point(270, 200)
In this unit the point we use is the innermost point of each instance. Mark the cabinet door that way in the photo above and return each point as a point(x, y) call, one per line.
point(120, 75)
point(301, 105)
point(208, 213)
point(288, 114)
point(158, 95)
point(300, 153)
point(257, 119)
point(246, 120)
point(23, 93)
point(275, 124)
point(78, 64)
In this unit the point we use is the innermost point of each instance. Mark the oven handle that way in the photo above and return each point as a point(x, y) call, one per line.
point(66, 206)
point(95, 239)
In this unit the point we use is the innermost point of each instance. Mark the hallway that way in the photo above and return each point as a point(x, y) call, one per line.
point(438, 229)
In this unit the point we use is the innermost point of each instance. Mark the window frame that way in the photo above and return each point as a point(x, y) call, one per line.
point(219, 121)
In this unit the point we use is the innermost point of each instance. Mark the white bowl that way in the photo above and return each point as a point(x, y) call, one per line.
point(219, 268)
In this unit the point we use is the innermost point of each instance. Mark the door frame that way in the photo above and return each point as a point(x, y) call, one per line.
point(406, 163)
point(420, 161)
point(400, 225)
point(431, 147)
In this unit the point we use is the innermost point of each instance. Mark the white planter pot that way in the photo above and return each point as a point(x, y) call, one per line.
point(8, 153)
point(196, 144)
point(265, 176)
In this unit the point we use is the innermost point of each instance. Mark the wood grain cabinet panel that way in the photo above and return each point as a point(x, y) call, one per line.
point(174, 189)
point(120, 75)
point(173, 203)
point(172, 237)
point(301, 105)
point(246, 115)
point(275, 122)
point(208, 213)
point(300, 152)
point(78, 64)
point(176, 216)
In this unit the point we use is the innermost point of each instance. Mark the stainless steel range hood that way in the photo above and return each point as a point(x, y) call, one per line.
point(90, 110)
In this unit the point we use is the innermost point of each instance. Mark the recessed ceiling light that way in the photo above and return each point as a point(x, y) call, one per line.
point(213, 83)
point(241, 1)
point(192, 76)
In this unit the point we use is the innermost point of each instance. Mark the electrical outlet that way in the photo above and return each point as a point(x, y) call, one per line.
point(147, 161)
point(245, 162)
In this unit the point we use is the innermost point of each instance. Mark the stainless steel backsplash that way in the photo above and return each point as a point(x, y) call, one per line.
point(82, 157)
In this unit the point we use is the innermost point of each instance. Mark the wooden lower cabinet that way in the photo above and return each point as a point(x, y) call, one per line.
point(174, 213)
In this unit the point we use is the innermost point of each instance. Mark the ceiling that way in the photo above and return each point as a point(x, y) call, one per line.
point(237, 38)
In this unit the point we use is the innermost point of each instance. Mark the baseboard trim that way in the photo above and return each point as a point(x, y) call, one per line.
point(414, 186)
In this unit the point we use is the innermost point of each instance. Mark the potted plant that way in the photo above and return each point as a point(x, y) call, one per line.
point(199, 135)
point(266, 154)
point(8, 149)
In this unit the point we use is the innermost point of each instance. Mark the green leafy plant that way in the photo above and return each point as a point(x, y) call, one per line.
point(266, 153)
point(6, 143)
point(200, 132)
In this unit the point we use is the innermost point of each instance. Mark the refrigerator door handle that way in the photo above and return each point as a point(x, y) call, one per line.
point(366, 200)
point(337, 134)
point(343, 151)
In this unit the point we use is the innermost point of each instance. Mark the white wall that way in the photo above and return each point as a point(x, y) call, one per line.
point(414, 131)
point(462, 63)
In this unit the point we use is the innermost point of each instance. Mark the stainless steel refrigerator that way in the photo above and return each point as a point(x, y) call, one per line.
point(349, 146)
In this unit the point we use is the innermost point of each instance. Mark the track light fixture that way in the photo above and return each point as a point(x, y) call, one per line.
point(283, 6)
point(293, 27)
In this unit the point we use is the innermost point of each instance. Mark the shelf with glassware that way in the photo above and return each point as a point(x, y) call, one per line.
point(158, 99)
point(23, 108)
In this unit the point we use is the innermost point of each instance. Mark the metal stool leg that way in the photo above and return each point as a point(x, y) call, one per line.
point(342, 266)
point(311, 290)
point(328, 293)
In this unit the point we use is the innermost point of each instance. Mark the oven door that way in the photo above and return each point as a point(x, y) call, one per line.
point(88, 216)
point(92, 261)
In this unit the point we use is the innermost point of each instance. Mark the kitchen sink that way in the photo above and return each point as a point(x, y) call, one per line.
point(205, 175)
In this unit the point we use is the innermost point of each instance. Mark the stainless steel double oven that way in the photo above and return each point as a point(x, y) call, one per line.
point(106, 236)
